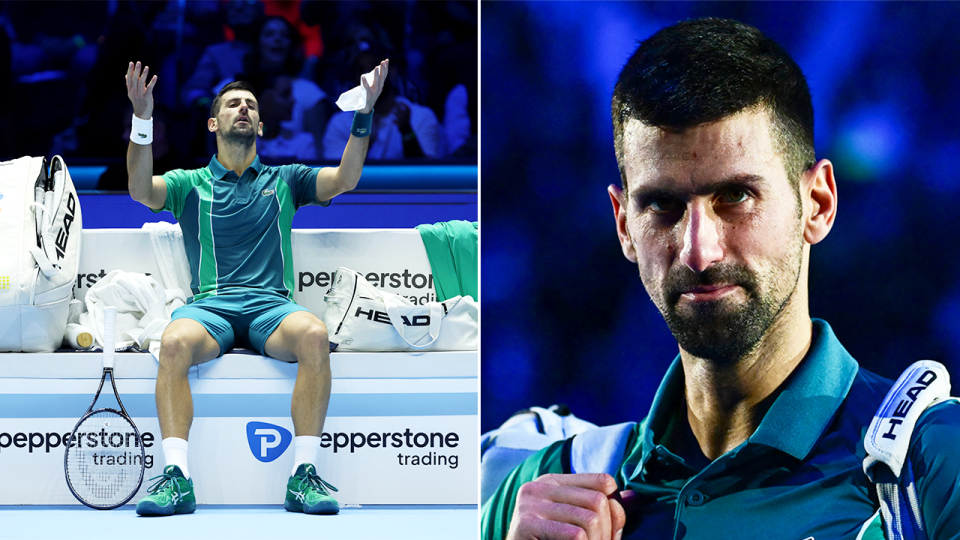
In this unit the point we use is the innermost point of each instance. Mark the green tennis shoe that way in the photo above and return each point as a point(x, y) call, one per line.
point(170, 494)
point(307, 493)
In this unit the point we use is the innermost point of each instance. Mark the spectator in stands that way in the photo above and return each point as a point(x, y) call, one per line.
point(165, 156)
point(404, 129)
point(348, 27)
point(280, 143)
point(127, 33)
point(224, 60)
point(278, 52)
point(460, 105)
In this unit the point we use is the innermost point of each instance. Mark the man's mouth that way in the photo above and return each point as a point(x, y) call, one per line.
point(706, 293)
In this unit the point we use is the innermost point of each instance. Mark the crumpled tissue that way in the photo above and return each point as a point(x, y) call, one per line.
point(355, 98)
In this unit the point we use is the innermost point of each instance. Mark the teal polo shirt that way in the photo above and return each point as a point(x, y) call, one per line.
point(799, 476)
point(236, 229)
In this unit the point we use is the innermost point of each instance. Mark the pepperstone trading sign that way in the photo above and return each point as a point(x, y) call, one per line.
point(394, 419)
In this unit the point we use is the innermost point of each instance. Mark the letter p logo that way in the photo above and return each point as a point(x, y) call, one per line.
point(267, 441)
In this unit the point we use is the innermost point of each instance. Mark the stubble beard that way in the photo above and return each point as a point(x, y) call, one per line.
point(234, 137)
point(725, 331)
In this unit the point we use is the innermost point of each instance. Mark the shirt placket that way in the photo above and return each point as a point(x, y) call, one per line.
point(662, 465)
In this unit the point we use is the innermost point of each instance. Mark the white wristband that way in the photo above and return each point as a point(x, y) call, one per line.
point(141, 131)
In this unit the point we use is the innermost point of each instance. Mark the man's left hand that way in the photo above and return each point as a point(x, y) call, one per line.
point(373, 90)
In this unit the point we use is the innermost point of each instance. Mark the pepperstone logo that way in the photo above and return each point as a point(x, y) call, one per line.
point(45, 442)
point(267, 441)
point(423, 283)
point(435, 445)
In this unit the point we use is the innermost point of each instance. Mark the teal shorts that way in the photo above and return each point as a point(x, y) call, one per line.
point(242, 319)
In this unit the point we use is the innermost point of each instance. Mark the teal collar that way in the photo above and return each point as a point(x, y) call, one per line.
point(800, 414)
point(219, 171)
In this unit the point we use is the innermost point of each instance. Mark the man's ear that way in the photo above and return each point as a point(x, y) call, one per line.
point(620, 215)
point(260, 129)
point(211, 125)
point(818, 188)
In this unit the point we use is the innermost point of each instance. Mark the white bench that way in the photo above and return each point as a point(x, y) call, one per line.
point(392, 259)
point(401, 428)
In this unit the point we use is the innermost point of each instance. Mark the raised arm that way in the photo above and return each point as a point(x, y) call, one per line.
point(144, 187)
point(332, 181)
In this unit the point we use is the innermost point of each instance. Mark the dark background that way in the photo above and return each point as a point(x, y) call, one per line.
point(62, 64)
point(565, 316)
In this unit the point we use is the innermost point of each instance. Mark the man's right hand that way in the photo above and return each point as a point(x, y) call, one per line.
point(139, 92)
point(568, 506)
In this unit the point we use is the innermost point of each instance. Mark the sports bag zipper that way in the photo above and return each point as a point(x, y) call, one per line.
point(347, 311)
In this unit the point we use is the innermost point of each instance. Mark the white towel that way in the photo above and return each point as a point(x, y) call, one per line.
point(167, 240)
point(143, 307)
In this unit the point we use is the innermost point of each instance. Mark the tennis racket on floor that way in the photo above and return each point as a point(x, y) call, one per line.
point(104, 458)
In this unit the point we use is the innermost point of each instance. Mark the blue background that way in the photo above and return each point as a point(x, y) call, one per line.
point(565, 316)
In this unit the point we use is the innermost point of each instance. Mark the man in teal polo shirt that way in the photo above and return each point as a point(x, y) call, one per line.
point(236, 216)
point(757, 428)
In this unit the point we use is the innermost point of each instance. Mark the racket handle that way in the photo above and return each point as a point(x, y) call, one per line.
point(109, 335)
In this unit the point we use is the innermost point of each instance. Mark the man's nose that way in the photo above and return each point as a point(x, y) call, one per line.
point(701, 237)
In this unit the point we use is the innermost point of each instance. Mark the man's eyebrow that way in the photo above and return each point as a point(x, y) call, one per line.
point(666, 187)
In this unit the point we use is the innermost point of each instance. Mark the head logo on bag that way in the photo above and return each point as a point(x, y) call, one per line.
point(383, 317)
point(64, 234)
point(267, 441)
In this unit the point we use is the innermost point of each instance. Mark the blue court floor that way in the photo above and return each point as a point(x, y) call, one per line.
point(241, 522)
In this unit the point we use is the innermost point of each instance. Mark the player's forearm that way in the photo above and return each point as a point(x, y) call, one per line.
point(140, 171)
point(351, 164)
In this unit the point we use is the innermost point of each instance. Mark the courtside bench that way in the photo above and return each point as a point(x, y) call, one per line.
point(402, 428)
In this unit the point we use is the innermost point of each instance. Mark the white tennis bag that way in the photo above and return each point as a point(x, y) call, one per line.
point(360, 317)
point(40, 229)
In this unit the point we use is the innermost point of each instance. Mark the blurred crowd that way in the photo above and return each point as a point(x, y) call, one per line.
point(62, 65)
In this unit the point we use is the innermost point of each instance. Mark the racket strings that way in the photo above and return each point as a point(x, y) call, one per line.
point(105, 460)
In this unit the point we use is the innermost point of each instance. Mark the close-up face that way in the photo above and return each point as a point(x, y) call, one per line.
point(239, 117)
point(714, 225)
point(274, 41)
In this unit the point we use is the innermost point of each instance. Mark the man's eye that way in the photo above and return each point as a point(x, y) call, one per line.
point(734, 196)
point(663, 204)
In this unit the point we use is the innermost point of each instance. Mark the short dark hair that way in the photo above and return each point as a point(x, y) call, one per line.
point(703, 70)
point(235, 85)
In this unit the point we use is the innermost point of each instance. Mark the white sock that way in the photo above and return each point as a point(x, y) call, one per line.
point(305, 451)
point(175, 453)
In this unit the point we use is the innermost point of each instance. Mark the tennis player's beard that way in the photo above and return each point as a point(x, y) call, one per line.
point(721, 330)
point(233, 137)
